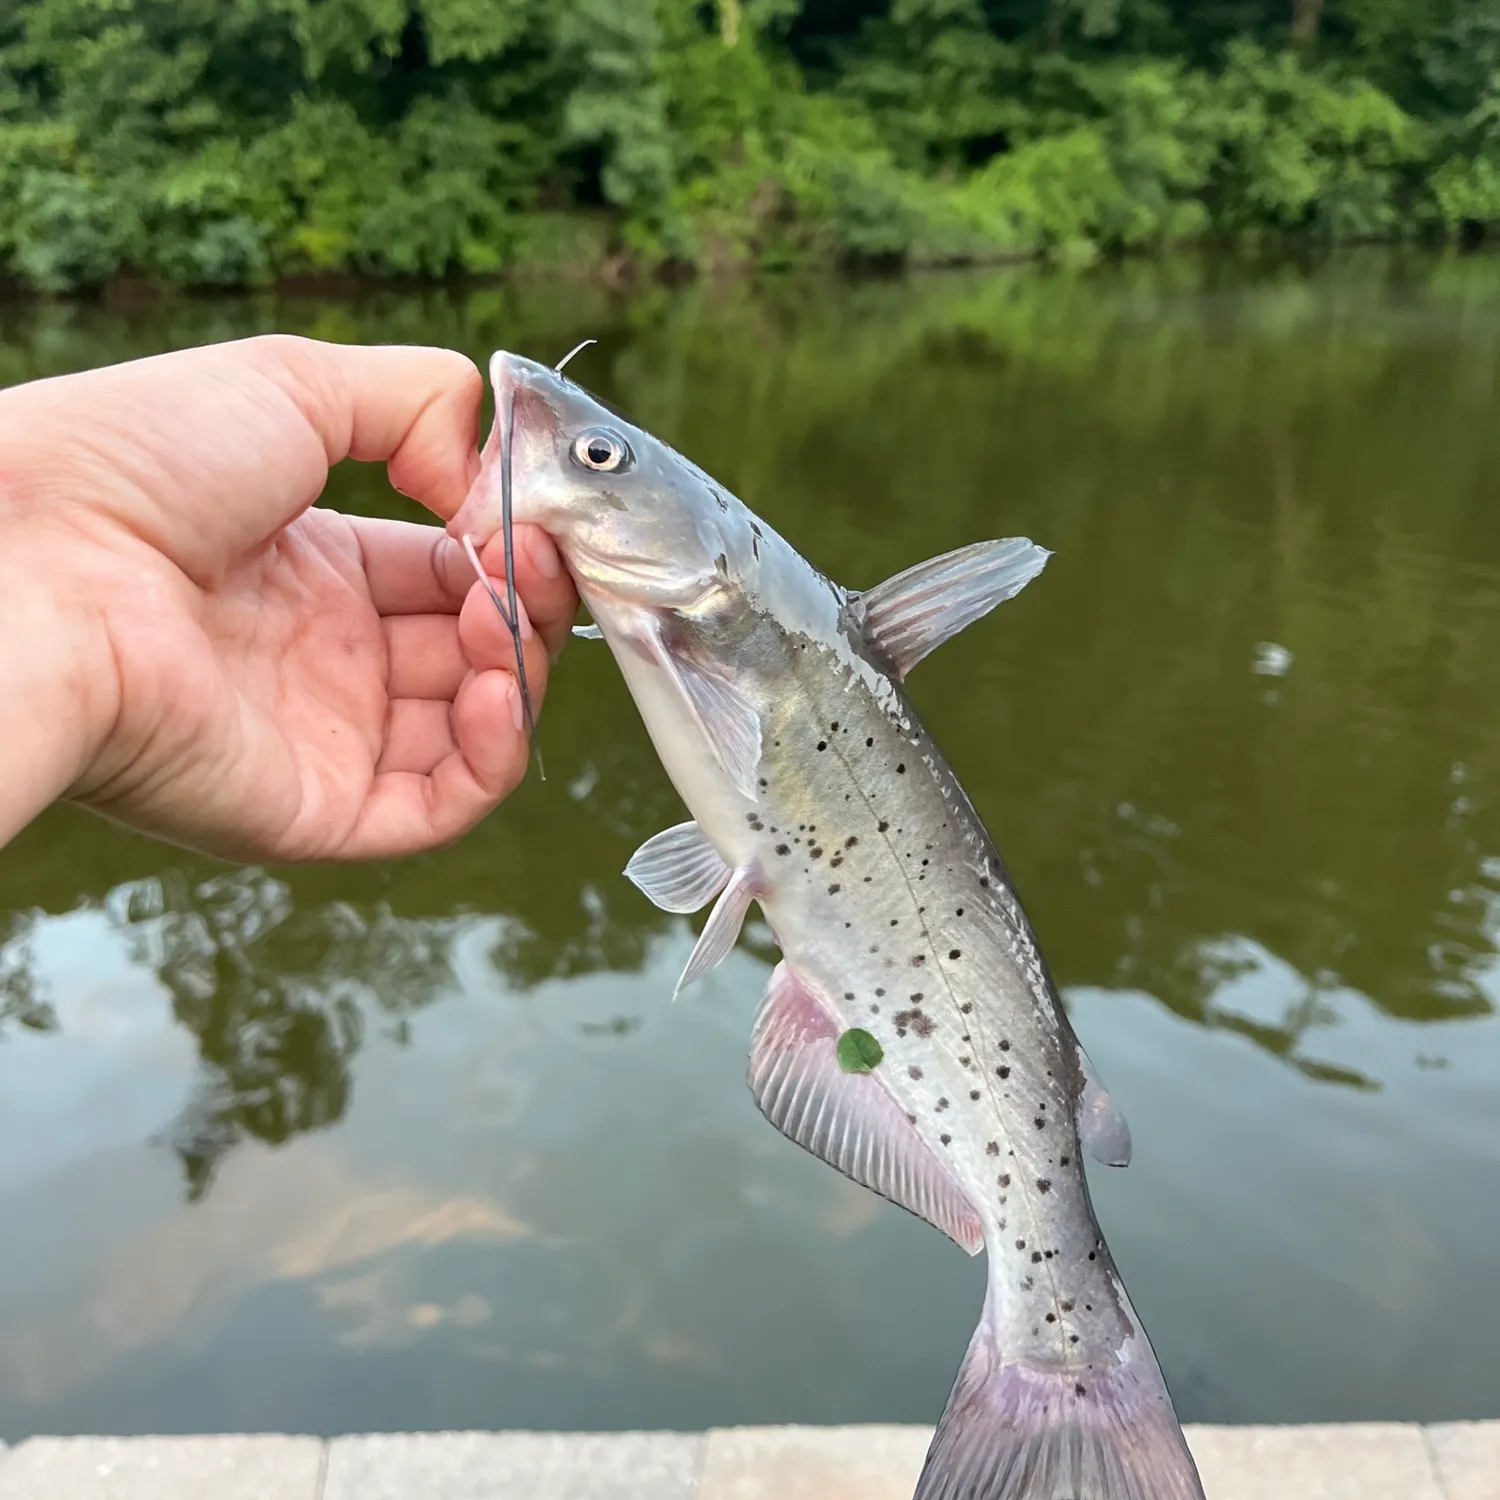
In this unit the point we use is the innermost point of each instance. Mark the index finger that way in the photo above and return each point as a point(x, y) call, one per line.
point(415, 407)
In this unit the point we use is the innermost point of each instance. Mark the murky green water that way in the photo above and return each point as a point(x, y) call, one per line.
point(424, 1144)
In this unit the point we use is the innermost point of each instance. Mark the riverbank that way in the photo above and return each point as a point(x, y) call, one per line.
point(1354, 1461)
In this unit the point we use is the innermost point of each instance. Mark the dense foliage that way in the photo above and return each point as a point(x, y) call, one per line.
point(220, 142)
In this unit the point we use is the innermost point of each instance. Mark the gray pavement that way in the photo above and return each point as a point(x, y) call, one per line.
point(1357, 1461)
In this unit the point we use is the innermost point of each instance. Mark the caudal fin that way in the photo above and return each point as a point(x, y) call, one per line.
point(1013, 1431)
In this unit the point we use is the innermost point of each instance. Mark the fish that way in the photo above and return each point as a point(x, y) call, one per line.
point(911, 1035)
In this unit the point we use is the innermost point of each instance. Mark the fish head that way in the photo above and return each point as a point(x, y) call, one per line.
point(635, 521)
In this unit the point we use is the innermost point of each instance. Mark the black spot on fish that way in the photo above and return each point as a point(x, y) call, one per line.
point(836, 861)
point(966, 1062)
point(1092, 1256)
point(815, 851)
point(874, 1010)
point(1005, 1046)
point(973, 1093)
point(901, 769)
point(868, 743)
point(1066, 1306)
point(1040, 1123)
point(946, 1139)
point(918, 959)
point(959, 912)
point(984, 881)
point(1080, 1389)
point(895, 921)
point(848, 994)
point(834, 889)
point(1072, 1338)
point(882, 825)
point(915, 1021)
point(1052, 1317)
point(851, 841)
point(782, 849)
point(992, 1148)
point(955, 953)
point(822, 744)
point(880, 992)
point(1036, 1257)
point(1002, 1072)
point(1051, 1253)
point(942, 1104)
point(914, 1072)
point(1066, 1161)
point(966, 1007)
point(1005, 1179)
point(764, 783)
point(1044, 1184)
point(1027, 1283)
point(916, 997)
point(834, 726)
point(1020, 1244)
point(911, 1119)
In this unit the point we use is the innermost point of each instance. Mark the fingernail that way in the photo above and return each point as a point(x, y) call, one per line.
point(545, 557)
point(516, 711)
point(523, 619)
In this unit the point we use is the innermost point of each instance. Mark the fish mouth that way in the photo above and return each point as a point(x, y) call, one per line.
point(521, 411)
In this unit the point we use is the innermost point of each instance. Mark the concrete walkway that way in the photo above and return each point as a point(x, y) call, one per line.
point(1378, 1461)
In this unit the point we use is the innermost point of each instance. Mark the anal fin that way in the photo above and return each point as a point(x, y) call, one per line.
point(848, 1120)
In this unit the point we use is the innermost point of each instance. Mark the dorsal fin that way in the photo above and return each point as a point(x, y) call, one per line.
point(909, 616)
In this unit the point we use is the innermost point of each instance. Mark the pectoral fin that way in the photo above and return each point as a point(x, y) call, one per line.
point(728, 721)
point(679, 869)
point(909, 616)
point(847, 1119)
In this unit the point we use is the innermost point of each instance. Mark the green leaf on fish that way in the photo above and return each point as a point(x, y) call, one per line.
point(859, 1052)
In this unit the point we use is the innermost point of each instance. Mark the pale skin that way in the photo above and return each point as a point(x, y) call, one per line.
point(188, 647)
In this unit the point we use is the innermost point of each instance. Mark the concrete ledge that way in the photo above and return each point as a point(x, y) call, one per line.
point(173, 1468)
point(1357, 1461)
point(499, 1465)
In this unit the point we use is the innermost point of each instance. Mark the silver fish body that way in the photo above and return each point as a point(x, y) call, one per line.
point(774, 700)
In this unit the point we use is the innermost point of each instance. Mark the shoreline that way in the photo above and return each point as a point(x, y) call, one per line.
point(1341, 1461)
point(617, 275)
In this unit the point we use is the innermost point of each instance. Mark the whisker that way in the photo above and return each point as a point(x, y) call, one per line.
point(511, 616)
point(558, 367)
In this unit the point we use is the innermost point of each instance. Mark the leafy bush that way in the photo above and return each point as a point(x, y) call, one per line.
point(216, 145)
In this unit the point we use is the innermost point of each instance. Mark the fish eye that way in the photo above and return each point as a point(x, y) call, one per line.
point(604, 452)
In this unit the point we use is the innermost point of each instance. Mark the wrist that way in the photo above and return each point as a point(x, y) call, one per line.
point(60, 693)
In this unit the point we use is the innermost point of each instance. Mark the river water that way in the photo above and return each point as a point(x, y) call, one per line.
point(424, 1144)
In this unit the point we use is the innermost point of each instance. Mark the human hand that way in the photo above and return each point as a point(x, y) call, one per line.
point(205, 657)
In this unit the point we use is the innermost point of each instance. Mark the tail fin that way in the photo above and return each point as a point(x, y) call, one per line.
point(1014, 1431)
